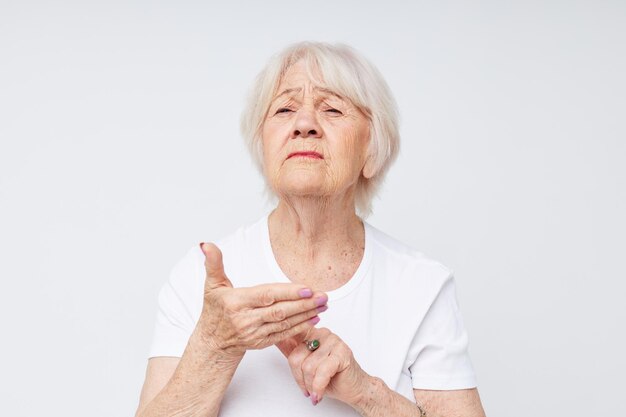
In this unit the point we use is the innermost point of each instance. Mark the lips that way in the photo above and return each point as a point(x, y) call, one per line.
point(307, 154)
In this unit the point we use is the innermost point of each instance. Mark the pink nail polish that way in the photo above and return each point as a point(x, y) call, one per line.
point(322, 308)
point(305, 293)
point(314, 320)
point(320, 301)
point(314, 398)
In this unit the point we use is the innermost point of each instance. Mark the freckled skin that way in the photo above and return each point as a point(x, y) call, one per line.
point(320, 241)
point(317, 239)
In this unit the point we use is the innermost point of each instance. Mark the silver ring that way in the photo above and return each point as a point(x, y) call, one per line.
point(312, 344)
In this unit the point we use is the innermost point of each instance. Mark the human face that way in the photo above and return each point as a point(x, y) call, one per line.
point(314, 141)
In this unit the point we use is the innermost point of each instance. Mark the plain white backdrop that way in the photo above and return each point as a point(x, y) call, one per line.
point(120, 149)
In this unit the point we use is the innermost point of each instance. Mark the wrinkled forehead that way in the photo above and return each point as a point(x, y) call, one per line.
point(327, 79)
point(300, 90)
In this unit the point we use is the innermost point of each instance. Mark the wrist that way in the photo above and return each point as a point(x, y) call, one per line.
point(373, 389)
point(205, 346)
point(201, 378)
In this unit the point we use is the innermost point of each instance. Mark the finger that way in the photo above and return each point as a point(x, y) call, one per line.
point(312, 360)
point(325, 371)
point(281, 326)
point(284, 309)
point(267, 294)
point(295, 363)
point(214, 266)
point(302, 327)
point(286, 346)
point(297, 357)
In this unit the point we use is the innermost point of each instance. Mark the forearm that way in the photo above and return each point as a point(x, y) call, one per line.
point(198, 384)
point(378, 400)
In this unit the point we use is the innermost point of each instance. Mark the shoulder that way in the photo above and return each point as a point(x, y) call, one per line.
point(405, 257)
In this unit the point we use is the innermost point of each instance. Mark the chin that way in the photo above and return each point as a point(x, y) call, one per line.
point(301, 191)
point(302, 187)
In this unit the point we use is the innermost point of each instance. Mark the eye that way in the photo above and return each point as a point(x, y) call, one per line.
point(283, 110)
point(332, 110)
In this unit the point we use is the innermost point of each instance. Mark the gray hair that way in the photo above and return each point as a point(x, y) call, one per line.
point(350, 75)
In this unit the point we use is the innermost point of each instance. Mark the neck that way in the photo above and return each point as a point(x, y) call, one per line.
point(315, 228)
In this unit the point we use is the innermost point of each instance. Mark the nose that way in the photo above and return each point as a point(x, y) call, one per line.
point(306, 124)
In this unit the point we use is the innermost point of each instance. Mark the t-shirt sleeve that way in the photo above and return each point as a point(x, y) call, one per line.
point(178, 307)
point(440, 346)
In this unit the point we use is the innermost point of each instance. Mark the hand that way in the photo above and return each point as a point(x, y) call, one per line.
point(234, 320)
point(330, 370)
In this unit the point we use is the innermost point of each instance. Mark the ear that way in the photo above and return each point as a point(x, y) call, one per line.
point(368, 169)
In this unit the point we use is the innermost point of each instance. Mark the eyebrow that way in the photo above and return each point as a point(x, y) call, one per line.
point(297, 90)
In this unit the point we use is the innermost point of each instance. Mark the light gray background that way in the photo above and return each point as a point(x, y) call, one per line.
point(119, 150)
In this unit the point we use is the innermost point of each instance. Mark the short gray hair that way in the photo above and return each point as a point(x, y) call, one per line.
point(346, 72)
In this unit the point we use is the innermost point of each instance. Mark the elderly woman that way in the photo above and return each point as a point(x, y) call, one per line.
point(236, 333)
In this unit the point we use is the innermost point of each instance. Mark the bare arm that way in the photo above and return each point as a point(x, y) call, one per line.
point(378, 400)
point(195, 387)
point(331, 370)
point(158, 374)
point(453, 403)
point(232, 321)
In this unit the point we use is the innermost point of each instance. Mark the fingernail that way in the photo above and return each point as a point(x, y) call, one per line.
point(322, 308)
point(306, 393)
point(321, 300)
point(314, 320)
point(314, 398)
point(305, 293)
point(201, 248)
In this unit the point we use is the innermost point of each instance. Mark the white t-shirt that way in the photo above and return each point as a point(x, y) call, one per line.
point(398, 314)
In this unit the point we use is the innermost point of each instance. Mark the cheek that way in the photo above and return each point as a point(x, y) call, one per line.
point(354, 151)
point(268, 145)
point(269, 156)
point(362, 145)
point(272, 135)
point(272, 160)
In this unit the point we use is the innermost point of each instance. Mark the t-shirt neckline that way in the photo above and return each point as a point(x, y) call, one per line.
point(335, 294)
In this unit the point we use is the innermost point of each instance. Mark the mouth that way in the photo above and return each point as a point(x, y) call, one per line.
point(306, 154)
